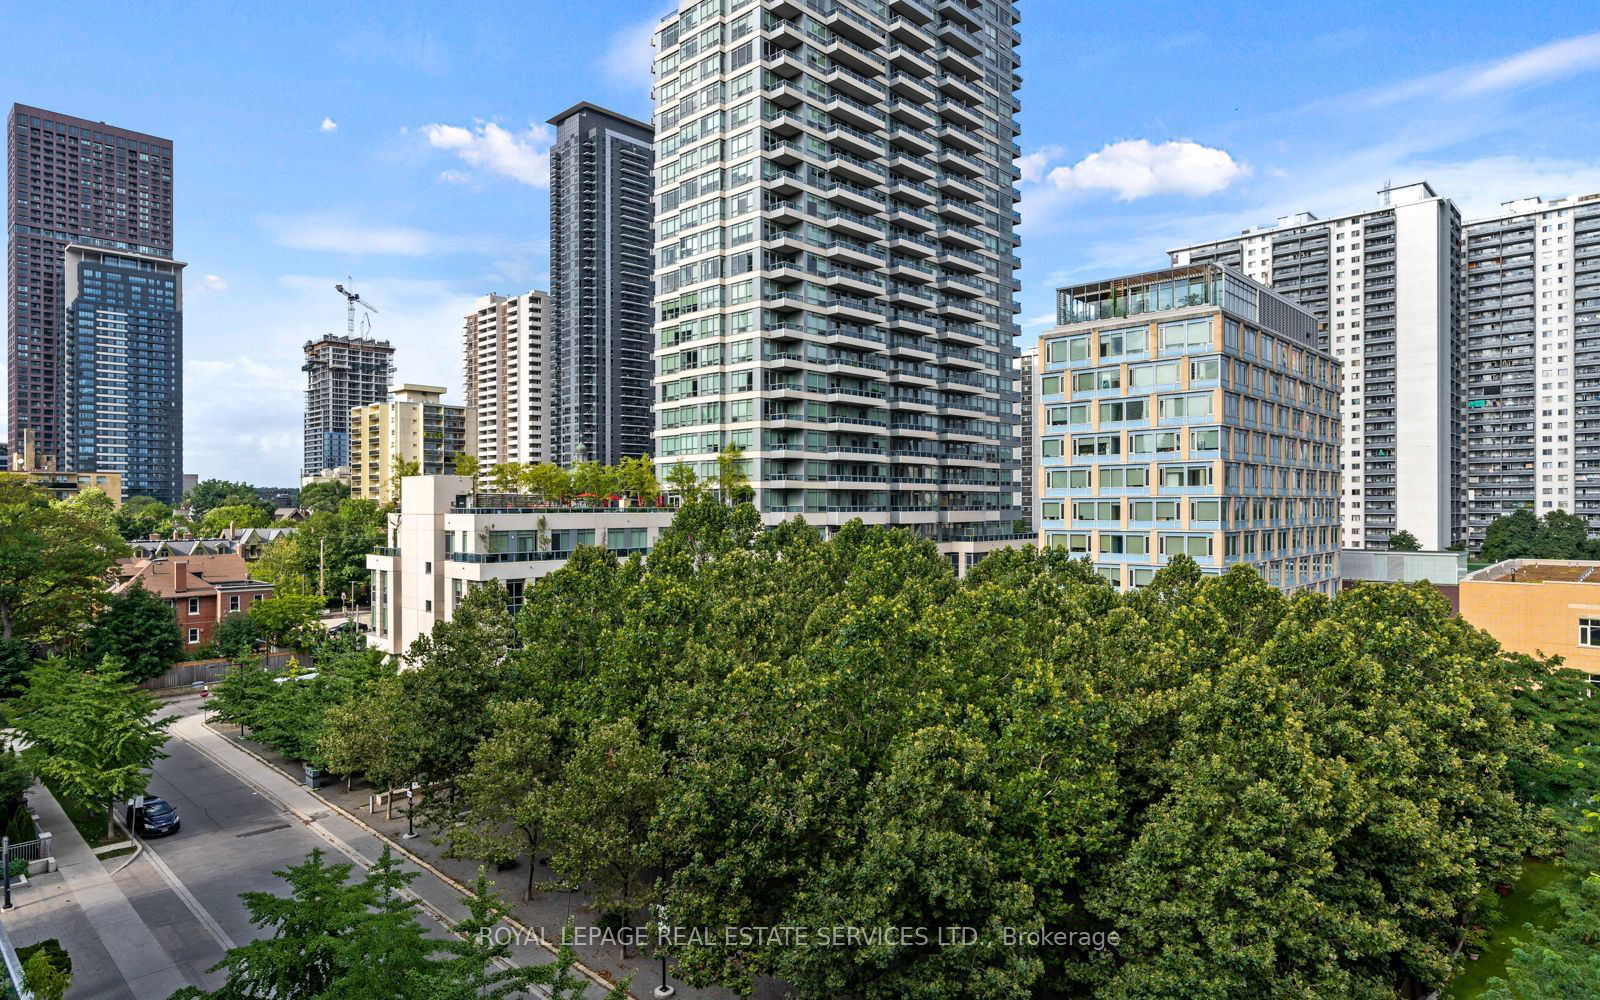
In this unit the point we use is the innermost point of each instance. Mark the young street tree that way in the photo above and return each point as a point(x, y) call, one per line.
point(600, 817)
point(507, 792)
point(92, 733)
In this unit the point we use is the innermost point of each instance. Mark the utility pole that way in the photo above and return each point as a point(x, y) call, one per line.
point(322, 565)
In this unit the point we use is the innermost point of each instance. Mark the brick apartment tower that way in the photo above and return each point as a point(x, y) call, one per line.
point(70, 181)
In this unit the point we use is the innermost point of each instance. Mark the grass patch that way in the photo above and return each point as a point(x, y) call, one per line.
point(121, 852)
point(89, 822)
point(1517, 909)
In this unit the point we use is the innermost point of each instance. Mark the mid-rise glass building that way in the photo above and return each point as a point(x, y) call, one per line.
point(1188, 411)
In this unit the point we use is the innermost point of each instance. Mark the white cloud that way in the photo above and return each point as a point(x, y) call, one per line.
point(523, 157)
point(1048, 319)
point(338, 232)
point(1547, 62)
point(214, 283)
point(629, 56)
point(1033, 164)
point(329, 125)
point(1138, 168)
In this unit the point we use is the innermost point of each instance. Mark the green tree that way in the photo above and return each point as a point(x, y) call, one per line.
point(505, 477)
point(326, 495)
point(90, 732)
point(330, 937)
point(1404, 541)
point(53, 563)
point(600, 817)
point(236, 637)
point(1560, 961)
point(237, 516)
point(332, 548)
point(684, 481)
point(241, 693)
point(141, 517)
point(636, 477)
point(283, 564)
point(401, 469)
point(212, 493)
point(42, 977)
point(139, 630)
point(594, 479)
point(465, 464)
point(547, 481)
point(1521, 535)
point(733, 477)
point(288, 619)
point(92, 504)
point(507, 791)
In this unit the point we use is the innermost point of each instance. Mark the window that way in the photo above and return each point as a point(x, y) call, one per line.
point(258, 598)
point(1109, 378)
point(1205, 439)
point(1050, 447)
point(1135, 476)
point(427, 567)
point(1205, 510)
point(1075, 413)
point(233, 602)
point(1186, 335)
point(1097, 510)
point(194, 636)
point(1052, 510)
point(1068, 479)
point(1194, 546)
point(1589, 631)
point(1130, 341)
point(1097, 444)
point(1154, 510)
point(1205, 370)
point(1197, 405)
point(194, 605)
point(427, 606)
point(1130, 545)
point(1146, 376)
point(1153, 442)
point(1072, 543)
point(1179, 476)
point(1123, 409)
point(1068, 349)
point(1051, 385)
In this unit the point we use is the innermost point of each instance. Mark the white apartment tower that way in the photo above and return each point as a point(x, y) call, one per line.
point(1386, 288)
point(835, 256)
point(1533, 361)
point(505, 342)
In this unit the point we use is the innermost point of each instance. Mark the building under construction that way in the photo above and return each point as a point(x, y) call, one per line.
point(341, 372)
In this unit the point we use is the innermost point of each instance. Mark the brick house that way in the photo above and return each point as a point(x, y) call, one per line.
point(202, 589)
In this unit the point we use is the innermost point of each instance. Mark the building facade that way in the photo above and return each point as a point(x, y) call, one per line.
point(70, 181)
point(202, 589)
point(835, 257)
point(414, 426)
point(507, 358)
point(61, 484)
point(1533, 361)
point(1189, 411)
point(1386, 288)
point(123, 359)
point(1542, 607)
point(1027, 452)
point(446, 539)
point(601, 283)
point(341, 373)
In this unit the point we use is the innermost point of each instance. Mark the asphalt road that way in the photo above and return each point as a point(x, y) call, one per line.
point(186, 886)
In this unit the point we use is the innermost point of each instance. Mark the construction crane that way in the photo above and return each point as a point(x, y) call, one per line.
point(351, 300)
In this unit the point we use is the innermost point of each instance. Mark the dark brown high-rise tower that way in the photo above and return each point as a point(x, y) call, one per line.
point(78, 182)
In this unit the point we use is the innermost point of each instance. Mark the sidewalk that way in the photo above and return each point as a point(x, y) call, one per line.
point(352, 838)
point(85, 909)
point(547, 911)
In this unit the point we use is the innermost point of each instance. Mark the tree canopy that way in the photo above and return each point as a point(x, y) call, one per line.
point(138, 630)
point(1523, 535)
point(53, 562)
point(209, 494)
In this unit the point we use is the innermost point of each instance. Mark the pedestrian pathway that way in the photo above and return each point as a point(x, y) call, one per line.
point(144, 966)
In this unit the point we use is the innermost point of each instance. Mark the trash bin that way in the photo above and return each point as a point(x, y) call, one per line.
point(314, 777)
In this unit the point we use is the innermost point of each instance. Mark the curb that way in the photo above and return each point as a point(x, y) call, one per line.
point(592, 975)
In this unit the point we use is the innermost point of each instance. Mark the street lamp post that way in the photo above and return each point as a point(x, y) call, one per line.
point(665, 989)
point(5, 859)
point(411, 831)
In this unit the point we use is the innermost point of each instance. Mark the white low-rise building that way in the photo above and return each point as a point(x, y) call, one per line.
point(447, 539)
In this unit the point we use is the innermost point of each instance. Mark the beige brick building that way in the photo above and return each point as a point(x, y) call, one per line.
point(414, 425)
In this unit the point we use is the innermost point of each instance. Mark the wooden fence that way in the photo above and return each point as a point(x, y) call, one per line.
point(183, 675)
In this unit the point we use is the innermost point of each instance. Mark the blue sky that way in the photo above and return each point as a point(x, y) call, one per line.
point(403, 145)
